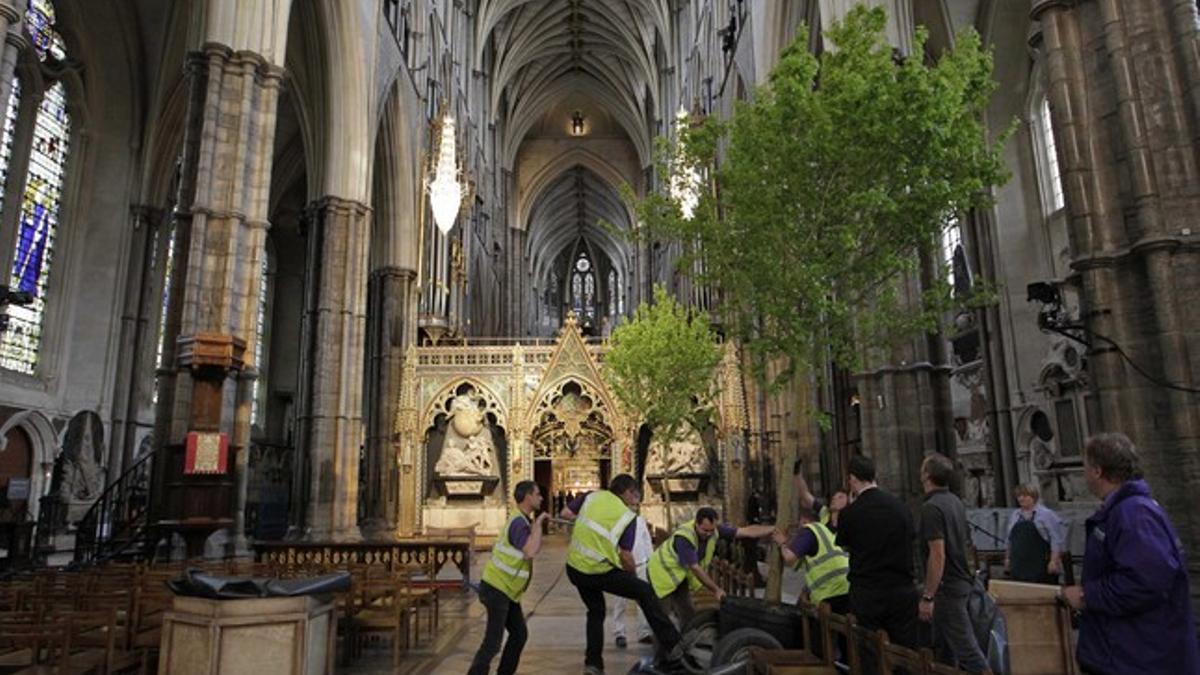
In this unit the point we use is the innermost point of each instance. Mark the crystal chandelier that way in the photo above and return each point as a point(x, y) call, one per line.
point(445, 190)
point(685, 181)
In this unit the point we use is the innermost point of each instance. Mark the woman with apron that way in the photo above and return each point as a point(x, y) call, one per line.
point(1036, 540)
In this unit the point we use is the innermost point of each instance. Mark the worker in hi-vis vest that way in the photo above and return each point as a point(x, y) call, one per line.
point(680, 564)
point(505, 578)
point(825, 566)
point(600, 560)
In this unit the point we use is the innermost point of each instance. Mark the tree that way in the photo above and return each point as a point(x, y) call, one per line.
point(834, 178)
point(828, 187)
point(661, 366)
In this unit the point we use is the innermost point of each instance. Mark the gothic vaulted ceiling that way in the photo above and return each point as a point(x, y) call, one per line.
point(546, 49)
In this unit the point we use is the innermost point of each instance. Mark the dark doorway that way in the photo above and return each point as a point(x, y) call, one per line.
point(543, 475)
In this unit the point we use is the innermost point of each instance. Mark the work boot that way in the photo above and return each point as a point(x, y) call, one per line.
point(592, 670)
point(671, 662)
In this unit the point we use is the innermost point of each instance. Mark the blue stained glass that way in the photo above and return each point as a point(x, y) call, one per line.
point(38, 225)
point(40, 19)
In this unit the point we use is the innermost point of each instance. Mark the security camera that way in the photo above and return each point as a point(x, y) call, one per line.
point(1044, 292)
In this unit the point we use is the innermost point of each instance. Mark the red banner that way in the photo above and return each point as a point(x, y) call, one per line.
point(207, 453)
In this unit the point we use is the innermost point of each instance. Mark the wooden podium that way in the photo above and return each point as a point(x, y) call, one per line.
point(1039, 628)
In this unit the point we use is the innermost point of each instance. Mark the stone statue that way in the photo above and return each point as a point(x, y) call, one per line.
point(683, 457)
point(82, 449)
point(469, 449)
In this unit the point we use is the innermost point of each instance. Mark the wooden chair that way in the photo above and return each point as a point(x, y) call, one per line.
point(833, 625)
point(893, 656)
point(150, 603)
point(934, 667)
point(425, 597)
point(99, 631)
point(381, 608)
point(43, 646)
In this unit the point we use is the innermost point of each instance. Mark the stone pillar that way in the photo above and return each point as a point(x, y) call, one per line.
point(11, 16)
point(410, 442)
point(905, 403)
point(1123, 80)
point(220, 243)
point(391, 326)
point(139, 317)
point(519, 311)
point(333, 337)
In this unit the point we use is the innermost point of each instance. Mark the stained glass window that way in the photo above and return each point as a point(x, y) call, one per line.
point(163, 309)
point(612, 292)
point(259, 331)
point(1052, 171)
point(46, 40)
point(41, 195)
point(577, 292)
point(36, 231)
point(951, 244)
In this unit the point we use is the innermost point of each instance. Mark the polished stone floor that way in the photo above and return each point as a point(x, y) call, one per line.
point(554, 615)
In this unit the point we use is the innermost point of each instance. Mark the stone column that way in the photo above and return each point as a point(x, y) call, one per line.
point(333, 337)
point(391, 327)
point(221, 232)
point(409, 443)
point(139, 317)
point(906, 409)
point(518, 320)
point(1123, 80)
point(11, 15)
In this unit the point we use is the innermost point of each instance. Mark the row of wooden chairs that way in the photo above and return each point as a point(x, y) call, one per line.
point(53, 613)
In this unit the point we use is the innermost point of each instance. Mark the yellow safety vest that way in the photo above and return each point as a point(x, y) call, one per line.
point(509, 569)
point(825, 573)
point(597, 530)
point(665, 570)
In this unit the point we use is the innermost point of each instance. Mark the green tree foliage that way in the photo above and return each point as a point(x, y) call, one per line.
point(831, 182)
point(661, 367)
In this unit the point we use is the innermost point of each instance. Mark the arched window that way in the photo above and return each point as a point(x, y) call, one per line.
point(583, 288)
point(955, 257)
point(36, 144)
point(613, 292)
point(1046, 153)
point(164, 307)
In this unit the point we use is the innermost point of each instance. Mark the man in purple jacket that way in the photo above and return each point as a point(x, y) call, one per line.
point(1137, 613)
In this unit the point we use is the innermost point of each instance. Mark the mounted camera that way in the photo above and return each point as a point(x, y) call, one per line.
point(1050, 297)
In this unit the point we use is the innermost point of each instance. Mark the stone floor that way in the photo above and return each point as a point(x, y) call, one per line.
point(554, 614)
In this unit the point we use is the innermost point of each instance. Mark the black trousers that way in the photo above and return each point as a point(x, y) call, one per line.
point(620, 583)
point(681, 604)
point(502, 614)
point(893, 610)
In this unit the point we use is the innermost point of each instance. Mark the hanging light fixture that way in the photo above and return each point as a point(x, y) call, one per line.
point(685, 181)
point(445, 189)
point(577, 124)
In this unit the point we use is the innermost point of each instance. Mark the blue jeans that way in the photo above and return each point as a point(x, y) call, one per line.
point(502, 614)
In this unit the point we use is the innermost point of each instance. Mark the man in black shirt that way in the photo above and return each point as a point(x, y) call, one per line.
point(948, 579)
point(877, 531)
